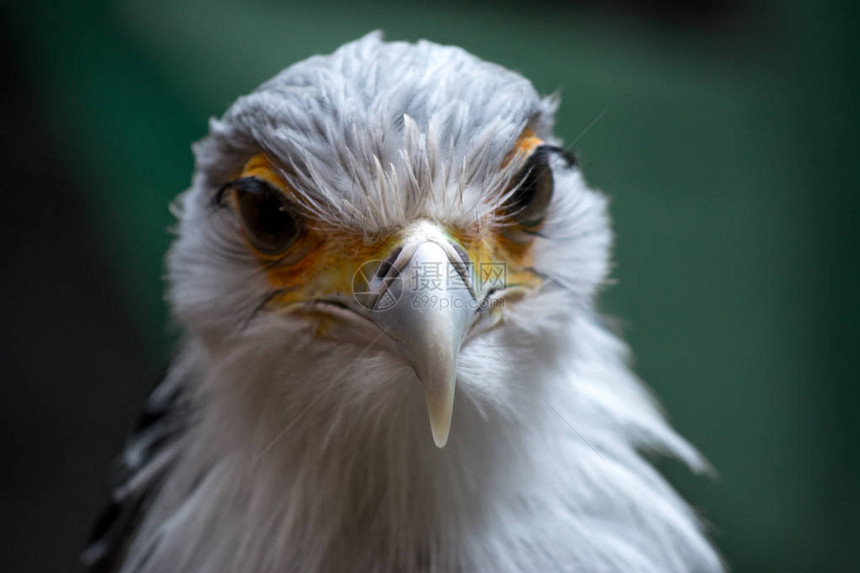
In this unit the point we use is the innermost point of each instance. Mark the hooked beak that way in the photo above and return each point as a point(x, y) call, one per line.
point(424, 300)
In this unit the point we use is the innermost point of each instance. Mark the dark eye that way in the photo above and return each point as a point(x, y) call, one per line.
point(271, 223)
point(532, 193)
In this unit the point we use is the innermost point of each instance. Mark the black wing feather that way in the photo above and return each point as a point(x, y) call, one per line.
point(139, 472)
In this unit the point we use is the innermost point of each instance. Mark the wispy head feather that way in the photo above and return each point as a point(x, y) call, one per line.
point(378, 134)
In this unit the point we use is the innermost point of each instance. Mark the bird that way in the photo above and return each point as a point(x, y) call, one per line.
point(387, 269)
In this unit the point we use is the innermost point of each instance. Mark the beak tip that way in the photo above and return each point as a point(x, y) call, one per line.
point(440, 408)
point(440, 438)
point(429, 335)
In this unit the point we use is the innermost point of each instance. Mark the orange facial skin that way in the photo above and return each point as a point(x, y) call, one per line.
point(322, 262)
point(526, 143)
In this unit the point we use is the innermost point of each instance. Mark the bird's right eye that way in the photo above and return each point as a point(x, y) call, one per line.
point(533, 190)
point(271, 222)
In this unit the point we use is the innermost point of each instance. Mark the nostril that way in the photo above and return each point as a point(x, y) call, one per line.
point(386, 265)
point(464, 256)
point(463, 266)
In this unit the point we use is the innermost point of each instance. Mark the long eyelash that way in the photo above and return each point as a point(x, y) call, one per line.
point(254, 186)
point(251, 185)
point(534, 161)
point(539, 159)
point(218, 198)
point(514, 188)
point(569, 155)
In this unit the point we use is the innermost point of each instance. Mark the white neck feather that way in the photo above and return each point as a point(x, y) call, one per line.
point(336, 470)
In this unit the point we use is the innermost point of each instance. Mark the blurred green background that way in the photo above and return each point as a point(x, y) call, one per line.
point(725, 133)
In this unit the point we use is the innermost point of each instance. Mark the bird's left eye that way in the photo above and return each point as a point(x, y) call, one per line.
point(532, 190)
point(270, 220)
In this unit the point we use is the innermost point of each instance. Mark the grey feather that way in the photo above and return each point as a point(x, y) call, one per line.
point(313, 455)
point(150, 451)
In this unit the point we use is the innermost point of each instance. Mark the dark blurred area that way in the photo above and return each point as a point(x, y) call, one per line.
point(725, 133)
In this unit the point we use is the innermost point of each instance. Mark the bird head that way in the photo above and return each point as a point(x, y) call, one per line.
point(395, 218)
